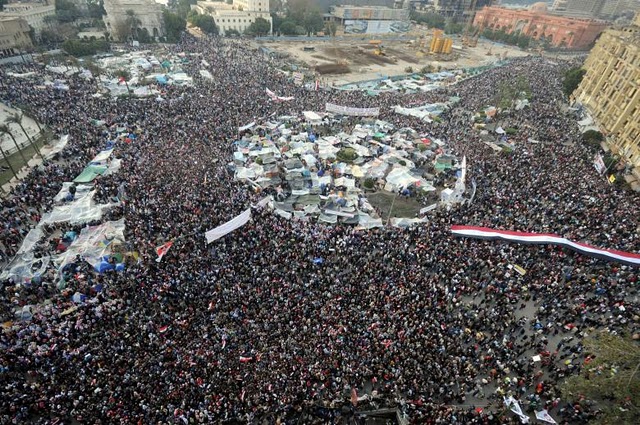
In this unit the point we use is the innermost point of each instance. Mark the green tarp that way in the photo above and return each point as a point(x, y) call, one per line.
point(90, 173)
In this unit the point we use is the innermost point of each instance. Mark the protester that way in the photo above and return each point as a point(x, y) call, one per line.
point(250, 329)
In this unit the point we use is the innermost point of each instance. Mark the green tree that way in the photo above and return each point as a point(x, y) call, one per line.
point(80, 48)
point(174, 25)
point(124, 76)
point(4, 129)
point(6, 159)
point(313, 22)
point(96, 9)
point(259, 27)
point(432, 20)
point(453, 28)
point(592, 138)
point(331, 28)
point(66, 11)
point(523, 41)
point(298, 9)
point(183, 7)
point(232, 33)
point(289, 27)
point(611, 379)
point(17, 119)
point(205, 22)
point(133, 23)
point(276, 21)
point(572, 79)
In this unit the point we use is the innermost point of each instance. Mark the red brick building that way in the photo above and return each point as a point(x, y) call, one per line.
point(538, 24)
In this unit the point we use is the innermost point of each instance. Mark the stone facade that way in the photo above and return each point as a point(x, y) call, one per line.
point(14, 35)
point(610, 89)
point(147, 12)
point(459, 9)
point(237, 16)
point(536, 23)
point(34, 13)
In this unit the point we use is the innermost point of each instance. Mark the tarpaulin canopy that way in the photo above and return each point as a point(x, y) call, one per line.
point(90, 173)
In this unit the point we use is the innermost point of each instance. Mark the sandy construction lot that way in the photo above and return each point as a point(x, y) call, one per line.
point(358, 56)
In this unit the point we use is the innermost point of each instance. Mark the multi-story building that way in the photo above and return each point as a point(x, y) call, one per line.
point(14, 35)
point(610, 89)
point(537, 23)
point(559, 5)
point(370, 19)
point(121, 13)
point(604, 9)
point(34, 13)
point(234, 17)
point(460, 9)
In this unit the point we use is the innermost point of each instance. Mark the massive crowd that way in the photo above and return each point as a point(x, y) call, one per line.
point(250, 329)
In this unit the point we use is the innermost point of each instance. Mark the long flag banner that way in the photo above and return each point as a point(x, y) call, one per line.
point(229, 226)
point(546, 239)
point(277, 98)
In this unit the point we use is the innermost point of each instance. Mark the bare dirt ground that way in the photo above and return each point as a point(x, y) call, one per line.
point(358, 55)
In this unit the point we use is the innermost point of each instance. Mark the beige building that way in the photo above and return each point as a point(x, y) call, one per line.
point(34, 13)
point(237, 16)
point(148, 14)
point(14, 35)
point(610, 89)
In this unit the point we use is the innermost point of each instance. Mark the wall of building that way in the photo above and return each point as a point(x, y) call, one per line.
point(230, 17)
point(558, 31)
point(14, 36)
point(33, 13)
point(365, 13)
point(148, 12)
point(610, 89)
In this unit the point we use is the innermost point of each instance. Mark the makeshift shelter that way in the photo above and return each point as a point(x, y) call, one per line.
point(90, 173)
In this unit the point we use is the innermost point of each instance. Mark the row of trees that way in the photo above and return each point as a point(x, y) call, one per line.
point(572, 79)
point(515, 39)
point(302, 17)
point(205, 22)
point(85, 47)
point(6, 130)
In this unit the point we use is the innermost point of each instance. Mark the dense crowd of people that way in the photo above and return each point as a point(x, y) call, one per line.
point(250, 329)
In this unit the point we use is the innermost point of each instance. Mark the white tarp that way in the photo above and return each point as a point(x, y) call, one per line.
point(400, 177)
point(205, 74)
point(229, 226)
point(93, 243)
point(81, 191)
point(24, 267)
point(60, 144)
point(247, 127)
point(311, 116)
point(30, 240)
point(413, 112)
point(356, 112)
point(405, 222)
point(102, 156)
point(114, 166)
point(277, 98)
point(82, 210)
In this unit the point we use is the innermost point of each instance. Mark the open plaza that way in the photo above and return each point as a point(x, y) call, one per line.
point(331, 230)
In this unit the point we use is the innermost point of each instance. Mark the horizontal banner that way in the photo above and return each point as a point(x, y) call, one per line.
point(355, 112)
point(544, 239)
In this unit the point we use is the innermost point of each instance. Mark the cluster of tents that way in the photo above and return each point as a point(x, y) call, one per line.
point(328, 177)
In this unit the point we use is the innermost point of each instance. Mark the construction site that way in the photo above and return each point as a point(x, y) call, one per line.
point(345, 59)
